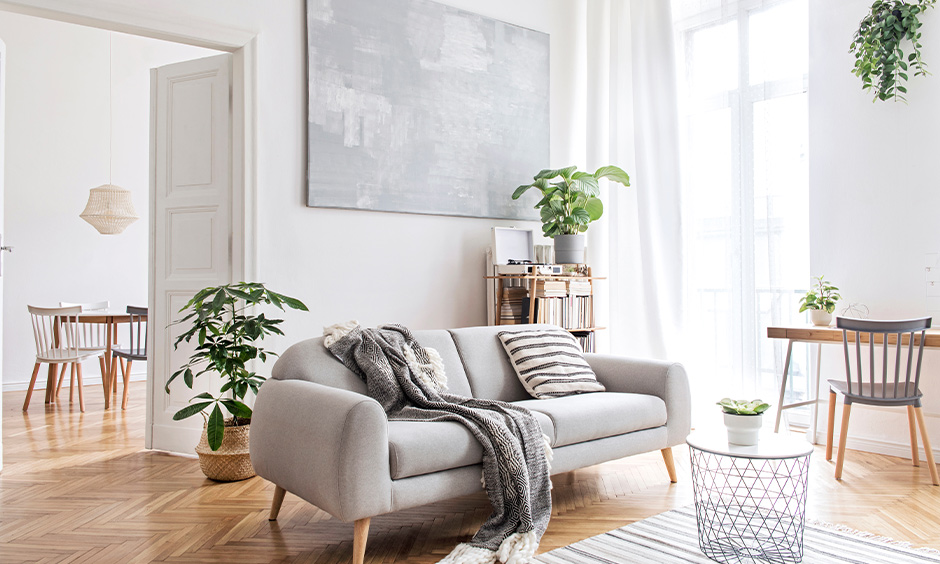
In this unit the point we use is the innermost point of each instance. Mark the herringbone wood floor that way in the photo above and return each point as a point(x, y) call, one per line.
point(79, 488)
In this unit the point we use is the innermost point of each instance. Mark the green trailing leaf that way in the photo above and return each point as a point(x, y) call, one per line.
point(878, 47)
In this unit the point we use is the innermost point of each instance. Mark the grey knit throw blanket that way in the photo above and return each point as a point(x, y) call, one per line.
point(400, 376)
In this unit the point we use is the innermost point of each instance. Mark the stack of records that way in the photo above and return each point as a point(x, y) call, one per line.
point(511, 312)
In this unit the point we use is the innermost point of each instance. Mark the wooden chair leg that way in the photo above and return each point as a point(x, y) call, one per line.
point(934, 477)
point(81, 397)
point(72, 383)
point(846, 411)
point(276, 502)
point(102, 367)
point(361, 536)
point(670, 464)
point(126, 372)
point(32, 382)
point(832, 421)
point(912, 423)
point(58, 386)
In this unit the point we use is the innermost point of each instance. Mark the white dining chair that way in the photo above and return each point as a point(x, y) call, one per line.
point(56, 332)
point(92, 337)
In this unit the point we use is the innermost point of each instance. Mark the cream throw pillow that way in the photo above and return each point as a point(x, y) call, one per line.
point(549, 363)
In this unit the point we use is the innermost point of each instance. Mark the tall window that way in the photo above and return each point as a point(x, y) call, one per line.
point(743, 80)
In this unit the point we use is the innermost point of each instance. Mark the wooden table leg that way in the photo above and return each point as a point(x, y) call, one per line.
point(106, 376)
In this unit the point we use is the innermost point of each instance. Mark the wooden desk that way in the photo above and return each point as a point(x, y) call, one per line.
point(111, 318)
point(821, 336)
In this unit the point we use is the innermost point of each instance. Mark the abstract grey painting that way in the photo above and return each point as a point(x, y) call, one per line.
point(419, 107)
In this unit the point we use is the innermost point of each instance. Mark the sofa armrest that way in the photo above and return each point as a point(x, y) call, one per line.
point(666, 380)
point(327, 445)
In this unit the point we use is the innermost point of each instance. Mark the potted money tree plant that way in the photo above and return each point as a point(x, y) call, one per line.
point(227, 328)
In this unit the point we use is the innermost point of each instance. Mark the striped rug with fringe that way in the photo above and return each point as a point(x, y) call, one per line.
point(672, 537)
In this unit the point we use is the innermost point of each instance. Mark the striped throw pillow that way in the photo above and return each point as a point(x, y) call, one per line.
point(549, 363)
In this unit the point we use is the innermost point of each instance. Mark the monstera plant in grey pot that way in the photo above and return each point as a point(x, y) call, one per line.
point(570, 201)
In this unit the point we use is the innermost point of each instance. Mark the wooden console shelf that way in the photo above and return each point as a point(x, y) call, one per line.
point(548, 302)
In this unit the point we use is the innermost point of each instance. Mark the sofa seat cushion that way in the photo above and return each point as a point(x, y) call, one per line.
point(422, 447)
point(586, 417)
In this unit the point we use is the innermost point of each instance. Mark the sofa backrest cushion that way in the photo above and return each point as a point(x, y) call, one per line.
point(488, 368)
point(309, 360)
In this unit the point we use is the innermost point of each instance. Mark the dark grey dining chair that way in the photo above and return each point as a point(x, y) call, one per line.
point(879, 389)
point(137, 349)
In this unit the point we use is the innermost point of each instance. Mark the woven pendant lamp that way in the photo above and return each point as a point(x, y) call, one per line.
point(110, 208)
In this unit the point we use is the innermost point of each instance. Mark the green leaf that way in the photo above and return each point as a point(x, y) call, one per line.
point(237, 408)
point(595, 208)
point(219, 302)
point(580, 216)
point(188, 378)
point(587, 184)
point(191, 410)
point(215, 428)
point(613, 173)
point(520, 191)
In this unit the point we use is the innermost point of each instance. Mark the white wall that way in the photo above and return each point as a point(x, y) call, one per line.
point(56, 150)
point(423, 271)
point(874, 199)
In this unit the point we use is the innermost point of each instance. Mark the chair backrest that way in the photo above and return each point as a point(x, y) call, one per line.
point(905, 384)
point(138, 327)
point(55, 330)
point(91, 335)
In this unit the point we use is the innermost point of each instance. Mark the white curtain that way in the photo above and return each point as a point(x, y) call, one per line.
point(700, 103)
point(632, 122)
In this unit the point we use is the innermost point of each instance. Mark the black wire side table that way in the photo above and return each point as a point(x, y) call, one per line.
point(750, 501)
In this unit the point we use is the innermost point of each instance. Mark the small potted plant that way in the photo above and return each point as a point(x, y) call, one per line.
point(820, 301)
point(227, 332)
point(569, 203)
point(743, 420)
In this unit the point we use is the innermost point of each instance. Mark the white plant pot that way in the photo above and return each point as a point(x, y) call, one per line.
point(569, 249)
point(820, 317)
point(743, 430)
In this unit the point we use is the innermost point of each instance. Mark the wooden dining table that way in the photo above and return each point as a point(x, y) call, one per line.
point(111, 318)
point(826, 335)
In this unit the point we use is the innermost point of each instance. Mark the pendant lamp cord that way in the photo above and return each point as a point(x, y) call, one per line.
point(110, 108)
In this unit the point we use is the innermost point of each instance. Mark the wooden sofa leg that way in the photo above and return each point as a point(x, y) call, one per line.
point(360, 537)
point(670, 464)
point(276, 502)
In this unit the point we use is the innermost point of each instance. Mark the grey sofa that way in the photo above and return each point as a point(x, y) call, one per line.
point(316, 434)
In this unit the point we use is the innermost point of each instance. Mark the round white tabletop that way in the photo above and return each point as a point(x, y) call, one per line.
point(770, 446)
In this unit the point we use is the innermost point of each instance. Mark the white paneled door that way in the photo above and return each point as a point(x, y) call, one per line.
point(193, 228)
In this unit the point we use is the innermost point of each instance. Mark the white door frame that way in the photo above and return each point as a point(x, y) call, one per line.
point(243, 45)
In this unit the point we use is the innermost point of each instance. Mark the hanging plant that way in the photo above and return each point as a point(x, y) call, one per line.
point(879, 59)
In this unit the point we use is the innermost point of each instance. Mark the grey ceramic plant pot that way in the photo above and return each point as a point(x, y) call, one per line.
point(569, 249)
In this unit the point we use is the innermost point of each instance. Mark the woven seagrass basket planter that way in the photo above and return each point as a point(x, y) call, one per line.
point(231, 462)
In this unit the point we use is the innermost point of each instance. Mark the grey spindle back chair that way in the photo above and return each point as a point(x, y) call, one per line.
point(57, 336)
point(137, 347)
point(881, 386)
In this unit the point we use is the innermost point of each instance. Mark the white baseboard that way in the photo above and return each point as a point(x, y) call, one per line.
point(901, 450)
point(94, 378)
